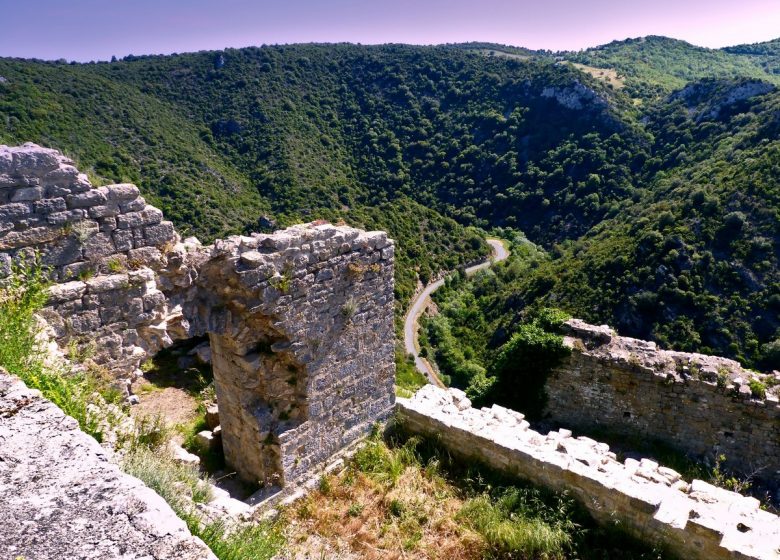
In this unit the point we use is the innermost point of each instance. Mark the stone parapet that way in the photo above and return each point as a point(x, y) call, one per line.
point(702, 405)
point(651, 502)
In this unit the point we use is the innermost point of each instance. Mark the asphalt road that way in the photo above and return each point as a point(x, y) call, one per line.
point(500, 253)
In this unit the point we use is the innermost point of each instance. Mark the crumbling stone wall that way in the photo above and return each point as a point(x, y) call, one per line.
point(101, 246)
point(300, 322)
point(699, 404)
point(301, 330)
point(62, 498)
point(696, 521)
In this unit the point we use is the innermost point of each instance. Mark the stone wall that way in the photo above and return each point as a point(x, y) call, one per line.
point(695, 521)
point(300, 321)
point(701, 405)
point(301, 330)
point(61, 497)
point(101, 247)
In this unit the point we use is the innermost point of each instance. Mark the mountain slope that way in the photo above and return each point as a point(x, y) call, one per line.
point(658, 217)
point(653, 66)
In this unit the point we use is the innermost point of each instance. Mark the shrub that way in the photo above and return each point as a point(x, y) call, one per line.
point(523, 363)
point(757, 389)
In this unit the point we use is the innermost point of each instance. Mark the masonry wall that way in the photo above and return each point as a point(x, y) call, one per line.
point(100, 247)
point(300, 321)
point(301, 331)
point(695, 521)
point(699, 404)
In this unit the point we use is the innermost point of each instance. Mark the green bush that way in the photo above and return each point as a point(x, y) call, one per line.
point(757, 389)
point(510, 527)
point(522, 364)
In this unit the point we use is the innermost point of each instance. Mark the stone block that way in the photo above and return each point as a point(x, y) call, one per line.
point(99, 245)
point(86, 199)
point(104, 211)
point(206, 440)
point(62, 218)
point(15, 211)
point(28, 238)
point(111, 282)
point(160, 234)
point(123, 239)
point(212, 416)
point(86, 322)
point(122, 192)
point(50, 205)
point(27, 194)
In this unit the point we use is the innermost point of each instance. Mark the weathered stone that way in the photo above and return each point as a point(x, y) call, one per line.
point(638, 390)
point(27, 194)
point(212, 416)
point(64, 499)
point(50, 205)
point(147, 216)
point(104, 211)
point(124, 192)
point(99, 245)
point(648, 501)
point(86, 322)
point(5, 265)
point(108, 283)
point(159, 234)
point(68, 291)
point(86, 199)
point(28, 238)
point(61, 218)
point(252, 259)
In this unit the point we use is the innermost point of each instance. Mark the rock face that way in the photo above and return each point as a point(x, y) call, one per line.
point(62, 498)
point(700, 404)
point(696, 521)
point(300, 322)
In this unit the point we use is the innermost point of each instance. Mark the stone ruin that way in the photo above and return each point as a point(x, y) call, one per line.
point(300, 325)
point(701, 405)
point(300, 322)
point(691, 520)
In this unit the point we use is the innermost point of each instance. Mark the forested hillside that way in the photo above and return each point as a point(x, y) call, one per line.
point(654, 205)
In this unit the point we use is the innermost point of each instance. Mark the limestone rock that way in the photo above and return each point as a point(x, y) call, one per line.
point(63, 498)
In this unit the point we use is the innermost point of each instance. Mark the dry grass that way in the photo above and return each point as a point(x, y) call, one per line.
point(413, 517)
point(607, 75)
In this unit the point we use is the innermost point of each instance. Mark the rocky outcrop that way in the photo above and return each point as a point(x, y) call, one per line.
point(692, 520)
point(62, 498)
point(702, 405)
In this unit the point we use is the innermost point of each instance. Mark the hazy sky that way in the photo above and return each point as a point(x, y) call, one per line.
point(97, 29)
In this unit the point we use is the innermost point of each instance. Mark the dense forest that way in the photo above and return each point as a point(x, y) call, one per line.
point(643, 174)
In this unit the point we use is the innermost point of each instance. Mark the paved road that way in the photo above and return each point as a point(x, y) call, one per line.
point(500, 253)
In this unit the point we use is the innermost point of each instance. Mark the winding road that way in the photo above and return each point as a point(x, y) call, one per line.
point(419, 303)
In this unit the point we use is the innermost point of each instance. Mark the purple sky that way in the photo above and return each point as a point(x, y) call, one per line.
point(96, 29)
